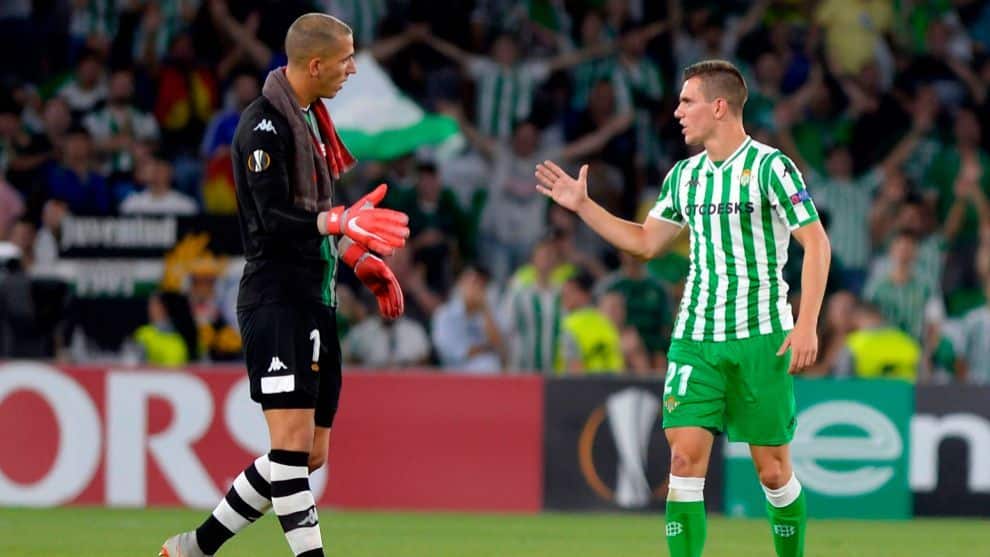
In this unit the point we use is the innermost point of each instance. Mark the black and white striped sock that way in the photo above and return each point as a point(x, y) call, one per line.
point(248, 499)
point(293, 502)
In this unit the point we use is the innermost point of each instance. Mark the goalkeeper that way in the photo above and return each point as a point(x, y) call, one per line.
point(287, 157)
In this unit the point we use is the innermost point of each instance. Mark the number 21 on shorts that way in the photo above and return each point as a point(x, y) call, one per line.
point(674, 373)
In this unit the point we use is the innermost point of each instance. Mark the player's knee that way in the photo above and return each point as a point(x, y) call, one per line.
point(291, 436)
point(684, 464)
point(772, 475)
point(316, 460)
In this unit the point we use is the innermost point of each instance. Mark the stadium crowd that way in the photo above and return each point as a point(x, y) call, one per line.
point(128, 107)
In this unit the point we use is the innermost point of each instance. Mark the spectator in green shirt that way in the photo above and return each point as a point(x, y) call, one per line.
point(906, 299)
point(648, 305)
point(959, 179)
point(437, 226)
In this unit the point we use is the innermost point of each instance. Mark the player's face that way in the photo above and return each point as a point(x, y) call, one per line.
point(336, 67)
point(695, 114)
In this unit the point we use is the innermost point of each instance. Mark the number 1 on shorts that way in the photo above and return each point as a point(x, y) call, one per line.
point(314, 336)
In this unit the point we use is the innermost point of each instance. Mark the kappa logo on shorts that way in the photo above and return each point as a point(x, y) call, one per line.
point(276, 365)
point(674, 529)
point(259, 161)
point(265, 125)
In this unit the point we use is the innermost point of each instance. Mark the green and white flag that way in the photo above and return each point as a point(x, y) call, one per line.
point(376, 121)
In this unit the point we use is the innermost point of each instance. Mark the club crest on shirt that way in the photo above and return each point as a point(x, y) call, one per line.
point(744, 179)
point(258, 161)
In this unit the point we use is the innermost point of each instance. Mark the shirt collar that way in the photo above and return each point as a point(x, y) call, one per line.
point(710, 166)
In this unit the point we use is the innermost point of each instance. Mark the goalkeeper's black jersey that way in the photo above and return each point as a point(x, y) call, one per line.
point(288, 260)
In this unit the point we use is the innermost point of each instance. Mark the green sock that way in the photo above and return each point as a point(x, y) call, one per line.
point(787, 524)
point(685, 528)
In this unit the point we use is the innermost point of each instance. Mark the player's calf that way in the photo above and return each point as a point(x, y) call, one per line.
point(293, 502)
point(788, 514)
point(685, 519)
point(786, 507)
point(686, 524)
point(247, 500)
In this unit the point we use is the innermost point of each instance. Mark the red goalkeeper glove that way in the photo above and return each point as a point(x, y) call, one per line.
point(379, 230)
point(377, 277)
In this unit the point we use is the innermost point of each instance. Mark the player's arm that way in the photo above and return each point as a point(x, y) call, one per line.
point(264, 156)
point(448, 49)
point(484, 144)
point(387, 47)
point(646, 240)
point(789, 196)
point(814, 272)
point(575, 57)
point(598, 139)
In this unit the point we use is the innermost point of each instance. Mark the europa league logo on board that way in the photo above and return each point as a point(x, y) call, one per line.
point(617, 437)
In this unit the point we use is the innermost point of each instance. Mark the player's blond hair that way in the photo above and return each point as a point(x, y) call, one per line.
point(313, 35)
point(720, 79)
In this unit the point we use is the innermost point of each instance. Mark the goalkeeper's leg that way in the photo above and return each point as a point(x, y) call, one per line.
point(248, 499)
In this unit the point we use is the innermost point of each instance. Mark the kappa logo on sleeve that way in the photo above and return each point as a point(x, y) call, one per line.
point(265, 125)
point(259, 161)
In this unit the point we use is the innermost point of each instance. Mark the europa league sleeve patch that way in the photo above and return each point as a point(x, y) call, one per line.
point(259, 161)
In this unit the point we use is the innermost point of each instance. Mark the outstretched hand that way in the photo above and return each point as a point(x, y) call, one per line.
point(556, 184)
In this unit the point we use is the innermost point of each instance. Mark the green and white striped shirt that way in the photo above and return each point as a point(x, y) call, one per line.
point(644, 81)
point(533, 315)
point(361, 15)
point(976, 331)
point(107, 123)
point(94, 17)
point(585, 75)
point(328, 249)
point(504, 95)
point(740, 212)
point(173, 23)
point(907, 305)
point(848, 203)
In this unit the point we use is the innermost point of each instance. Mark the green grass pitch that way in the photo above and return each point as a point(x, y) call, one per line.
point(92, 532)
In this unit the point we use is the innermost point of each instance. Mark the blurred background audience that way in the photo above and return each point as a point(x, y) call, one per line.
point(116, 117)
